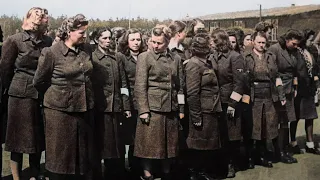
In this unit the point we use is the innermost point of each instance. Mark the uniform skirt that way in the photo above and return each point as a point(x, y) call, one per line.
point(305, 108)
point(68, 141)
point(159, 139)
point(230, 128)
point(25, 131)
point(112, 146)
point(205, 137)
point(287, 112)
point(128, 128)
point(264, 115)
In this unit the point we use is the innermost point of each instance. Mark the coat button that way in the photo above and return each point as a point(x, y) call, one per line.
point(81, 64)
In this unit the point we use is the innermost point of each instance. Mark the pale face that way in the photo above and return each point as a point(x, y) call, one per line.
point(309, 41)
point(104, 40)
point(78, 36)
point(181, 36)
point(259, 44)
point(159, 43)
point(292, 44)
point(247, 41)
point(198, 26)
point(134, 42)
point(233, 41)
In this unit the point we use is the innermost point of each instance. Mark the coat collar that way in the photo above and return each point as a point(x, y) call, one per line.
point(168, 53)
point(27, 37)
point(101, 55)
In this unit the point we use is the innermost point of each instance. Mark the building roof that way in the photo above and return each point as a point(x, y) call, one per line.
point(280, 11)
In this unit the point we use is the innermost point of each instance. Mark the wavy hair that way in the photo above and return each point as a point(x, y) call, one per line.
point(71, 24)
point(123, 45)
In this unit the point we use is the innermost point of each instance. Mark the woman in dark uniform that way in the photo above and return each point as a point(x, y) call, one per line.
point(204, 106)
point(109, 81)
point(130, 45)
point(158, 83)
point(304, 102)
point(286, 58)
point(64, 74)
point(266, 89)
point(230, 71)
point(19, 61)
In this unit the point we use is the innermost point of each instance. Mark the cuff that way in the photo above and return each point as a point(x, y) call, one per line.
point(246, 99)
point(236, 96)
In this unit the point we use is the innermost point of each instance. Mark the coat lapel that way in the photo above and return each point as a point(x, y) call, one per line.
point(287, 57)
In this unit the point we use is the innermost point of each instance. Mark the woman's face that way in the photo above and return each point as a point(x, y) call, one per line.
point(233, 41)
point(247, 41)
point(259, 43)
point(181, 36)
point(198, 26)
point(104, 40)
point(78, 36)
point(134, 42)
point(159, 43)
point(309, 41)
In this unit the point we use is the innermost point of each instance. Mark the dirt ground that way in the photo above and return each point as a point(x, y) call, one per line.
point(308, 167)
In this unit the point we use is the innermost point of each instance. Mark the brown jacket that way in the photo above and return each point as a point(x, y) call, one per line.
point(158, 82)
point(65, 77)
point(230, 68)
point(202, 88)
point(108, 79)
point(19, 62)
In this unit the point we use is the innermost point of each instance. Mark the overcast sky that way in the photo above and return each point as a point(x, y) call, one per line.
point(161, 9)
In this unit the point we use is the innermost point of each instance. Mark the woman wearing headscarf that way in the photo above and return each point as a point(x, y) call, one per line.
point(203, 98)
point(130, 45)
point(158, 83)
point(64, 76)
point(229, 65)
point(304, 102)
point(19, 60)
point(265, 87)
point(111, 91)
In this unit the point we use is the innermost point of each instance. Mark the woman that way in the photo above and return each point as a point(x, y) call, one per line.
point(204, 106)
point(109, 84)
point(304, 102)
point(130, 45)
point(179, 34)
point(230, 67)
point(266, 90)
point(234, 40)
point(19, 60)
point(286, 58)
point(158, 82)
point(64, 75)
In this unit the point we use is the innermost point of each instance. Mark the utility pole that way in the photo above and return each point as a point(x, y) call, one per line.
point(129, 14)
point(260, 13)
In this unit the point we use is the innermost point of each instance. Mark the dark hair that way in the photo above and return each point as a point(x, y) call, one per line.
point(263, 26)
point(233, 32)
point(1, 35)
point(306, 34)
point(191, 25)
point(260, 33)
point(221, 40)
point(177, 26)
point(118, 32)
point(293, 34)
point(123, 42)
point(200, 44)
point(98, 32)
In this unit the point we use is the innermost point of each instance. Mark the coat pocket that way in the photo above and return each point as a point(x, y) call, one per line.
point(59, 97)
point(207, 103)
point(18, 87)
point(155, 100)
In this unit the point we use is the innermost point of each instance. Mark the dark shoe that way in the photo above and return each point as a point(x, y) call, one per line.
point(193, 175)
point(146, 178)
point(250, 163)
point(295, 149)
point(293, 160)
point(41, 177)
point(231, 171)
point(265, 163)
point(313, 150)
point(204, 176)
point(282, 157)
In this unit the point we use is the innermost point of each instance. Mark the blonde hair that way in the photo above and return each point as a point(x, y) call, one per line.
point(35, 19)
point(164, 30)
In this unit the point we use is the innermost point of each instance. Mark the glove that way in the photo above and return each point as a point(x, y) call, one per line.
point(231, 111)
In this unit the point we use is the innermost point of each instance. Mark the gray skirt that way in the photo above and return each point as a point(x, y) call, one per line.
point(25, 131)
point(286, 112)
point(305, 108)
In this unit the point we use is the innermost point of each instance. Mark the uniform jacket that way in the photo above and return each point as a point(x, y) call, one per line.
point(287, 65)
point(65, 77)
point(276, 89)
point(202, 88)
point(108, 79)
point(19, 60)
point(158, 81)
point(230, 71)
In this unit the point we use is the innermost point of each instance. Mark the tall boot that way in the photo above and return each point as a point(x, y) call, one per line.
point(279, 154)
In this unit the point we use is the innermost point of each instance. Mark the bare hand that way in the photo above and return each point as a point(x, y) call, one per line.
point(295, 93)
point(144, 116)
point(231, 111)
point(128, 114)
point(181, 115)
point(283, 102)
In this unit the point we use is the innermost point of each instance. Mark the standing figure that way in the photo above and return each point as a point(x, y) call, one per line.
point(266, 90)
point(203, 99)
point(157, 87)
point(286, 58)
point(130, 45)
point(304, 102)
point(110, 83)
point(64, 76)
point(230, 71)
point(19, 60)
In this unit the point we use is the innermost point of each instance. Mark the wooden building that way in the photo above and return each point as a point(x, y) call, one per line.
point(283, 18)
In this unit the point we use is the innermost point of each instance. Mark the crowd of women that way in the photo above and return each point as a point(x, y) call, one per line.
point(179, 96)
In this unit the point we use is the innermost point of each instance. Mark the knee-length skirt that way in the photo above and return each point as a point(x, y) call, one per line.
point(305, 107)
